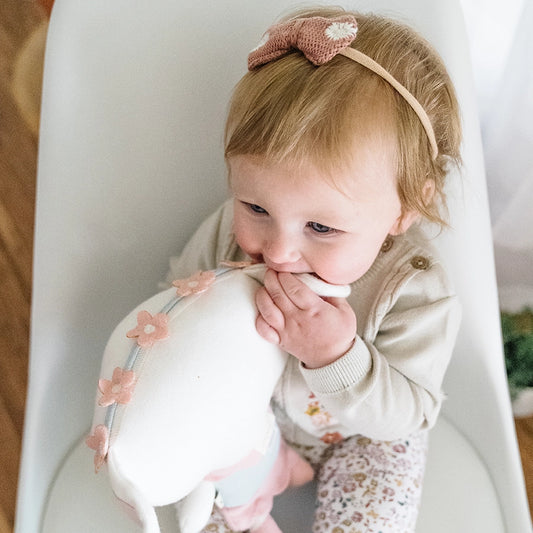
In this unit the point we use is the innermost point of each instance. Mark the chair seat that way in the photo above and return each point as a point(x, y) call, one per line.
point(458, 496)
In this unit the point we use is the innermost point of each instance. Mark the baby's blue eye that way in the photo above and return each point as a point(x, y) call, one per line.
point(320, 228)
point(257, 209)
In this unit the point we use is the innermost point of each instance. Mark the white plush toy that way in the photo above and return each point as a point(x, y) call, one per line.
point(182, 410)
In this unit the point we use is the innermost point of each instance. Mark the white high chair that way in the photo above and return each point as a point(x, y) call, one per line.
point(130, 162)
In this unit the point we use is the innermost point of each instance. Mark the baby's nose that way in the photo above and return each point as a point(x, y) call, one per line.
point(281, 250)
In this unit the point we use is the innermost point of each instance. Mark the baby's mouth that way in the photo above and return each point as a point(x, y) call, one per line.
point(258, 258)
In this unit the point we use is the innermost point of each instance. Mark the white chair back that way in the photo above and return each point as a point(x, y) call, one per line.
point(130, 162)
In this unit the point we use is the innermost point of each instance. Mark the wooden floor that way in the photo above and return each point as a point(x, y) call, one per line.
point(524, 431)
point(18, 152)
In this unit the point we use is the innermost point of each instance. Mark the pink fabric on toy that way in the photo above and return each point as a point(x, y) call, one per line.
point(319, 39)
point(250, 460)
point(289, 469)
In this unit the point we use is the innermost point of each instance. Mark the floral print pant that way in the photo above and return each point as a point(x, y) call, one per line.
point(363, 485)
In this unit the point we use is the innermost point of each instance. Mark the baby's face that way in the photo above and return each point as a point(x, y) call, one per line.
point(294, 219)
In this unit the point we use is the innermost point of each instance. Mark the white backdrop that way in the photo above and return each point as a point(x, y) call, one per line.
point(501, 36)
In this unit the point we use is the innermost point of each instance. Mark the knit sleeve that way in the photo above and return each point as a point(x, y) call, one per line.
point(390, 386)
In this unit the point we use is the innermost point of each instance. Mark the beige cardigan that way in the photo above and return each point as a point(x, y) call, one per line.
point(389, 384)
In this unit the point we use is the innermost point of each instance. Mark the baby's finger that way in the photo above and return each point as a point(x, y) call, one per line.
point(268, 333)
point(268, 309)
point(276, 292)
point(297, 291)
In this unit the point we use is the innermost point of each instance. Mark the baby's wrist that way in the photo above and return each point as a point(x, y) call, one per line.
point(323, 360)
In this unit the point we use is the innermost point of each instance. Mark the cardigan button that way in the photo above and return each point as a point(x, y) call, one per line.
point(420, 262)
point(387, 244)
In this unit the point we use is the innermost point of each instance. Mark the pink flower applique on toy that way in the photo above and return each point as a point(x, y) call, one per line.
point(198, 282)
point(99, 442)
point(117, 390)
point(149, 329)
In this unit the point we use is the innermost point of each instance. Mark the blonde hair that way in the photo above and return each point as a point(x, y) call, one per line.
point(291, 110)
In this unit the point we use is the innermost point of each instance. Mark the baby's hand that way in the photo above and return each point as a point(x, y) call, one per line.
point(315, 330)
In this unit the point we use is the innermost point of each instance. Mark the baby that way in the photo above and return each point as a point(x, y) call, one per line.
point(338, 142)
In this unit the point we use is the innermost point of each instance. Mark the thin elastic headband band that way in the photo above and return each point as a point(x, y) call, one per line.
point(320, 39)
point(369, 63)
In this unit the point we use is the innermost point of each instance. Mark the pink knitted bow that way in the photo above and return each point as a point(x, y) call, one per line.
point(318, 38)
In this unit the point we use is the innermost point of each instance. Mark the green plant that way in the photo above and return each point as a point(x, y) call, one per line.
point(517, 329)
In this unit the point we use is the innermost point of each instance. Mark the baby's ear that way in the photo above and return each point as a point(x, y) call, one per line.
point(428, 192)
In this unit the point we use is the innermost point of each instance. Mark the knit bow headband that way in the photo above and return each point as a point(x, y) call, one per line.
point(320, 39)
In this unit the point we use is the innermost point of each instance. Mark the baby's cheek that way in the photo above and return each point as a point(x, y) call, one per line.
point(244, 237)
point(249, 246)
point(342, 269)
